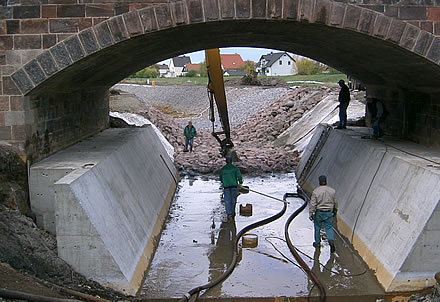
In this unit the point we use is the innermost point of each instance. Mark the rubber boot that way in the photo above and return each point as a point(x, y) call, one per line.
point(332, 246)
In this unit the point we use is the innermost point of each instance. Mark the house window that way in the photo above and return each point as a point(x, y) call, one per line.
point(288, 62)
point(281, 62)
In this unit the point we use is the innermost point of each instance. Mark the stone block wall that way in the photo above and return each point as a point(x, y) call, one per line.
point(56, 121)
point(412, 115)
point(421, 13)
point(28, 28)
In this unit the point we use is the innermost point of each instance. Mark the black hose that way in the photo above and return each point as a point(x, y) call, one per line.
point(11, 294)
point(231, 267)
point(292, 248)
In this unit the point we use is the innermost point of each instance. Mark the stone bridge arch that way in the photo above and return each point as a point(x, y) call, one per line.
point(391, 57)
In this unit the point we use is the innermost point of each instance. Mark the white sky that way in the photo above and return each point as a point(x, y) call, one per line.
point(246, 53)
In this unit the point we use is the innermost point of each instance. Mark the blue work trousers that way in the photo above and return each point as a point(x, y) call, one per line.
point(190, 142)
point(377, 131)
point(325, 218)
point(230, 197)
point(343, 114)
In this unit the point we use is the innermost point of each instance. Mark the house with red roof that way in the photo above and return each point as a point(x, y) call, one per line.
point(189, 67)
point(231, 61)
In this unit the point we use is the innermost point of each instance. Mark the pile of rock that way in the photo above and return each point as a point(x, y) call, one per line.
point(253, 139)
point(13, 181)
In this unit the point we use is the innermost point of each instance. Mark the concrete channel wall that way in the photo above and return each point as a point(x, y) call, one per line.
point(108, 204)
point(388, 204)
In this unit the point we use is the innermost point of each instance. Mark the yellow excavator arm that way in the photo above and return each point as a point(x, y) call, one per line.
point(216, 92)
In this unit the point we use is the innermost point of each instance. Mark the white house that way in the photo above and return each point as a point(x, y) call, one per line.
point(163, 70)
point(176, 66)
point(276, 64)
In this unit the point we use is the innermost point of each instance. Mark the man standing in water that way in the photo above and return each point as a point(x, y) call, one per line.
point(230, 176)
point(323, 208)
point(189, 132)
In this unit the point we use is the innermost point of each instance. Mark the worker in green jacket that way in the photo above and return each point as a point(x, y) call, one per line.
point(231, 179)
point(189, 132)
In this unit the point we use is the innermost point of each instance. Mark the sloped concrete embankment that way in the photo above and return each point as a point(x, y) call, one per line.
point(107, 198)
point(388, 204)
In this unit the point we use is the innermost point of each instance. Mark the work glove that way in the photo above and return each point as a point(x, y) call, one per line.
point(311, 217)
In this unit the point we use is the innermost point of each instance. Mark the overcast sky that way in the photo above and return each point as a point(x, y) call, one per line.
point(247, 53)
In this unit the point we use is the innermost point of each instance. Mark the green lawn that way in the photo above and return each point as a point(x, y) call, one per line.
point(327, 79)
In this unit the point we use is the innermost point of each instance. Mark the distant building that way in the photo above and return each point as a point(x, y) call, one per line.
point(189, 67)
point(231, 61)
point(234, 72)
point(176, 66)
point(163, 70)
point(276, 64)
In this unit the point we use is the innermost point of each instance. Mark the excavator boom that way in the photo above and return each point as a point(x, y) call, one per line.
point(216, 90)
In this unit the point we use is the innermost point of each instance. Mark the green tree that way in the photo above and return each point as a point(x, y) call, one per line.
point(149, 72)
point(203, 71)
point(191, 74)
point(305, 66)
point(249, 67)
point(331, 70)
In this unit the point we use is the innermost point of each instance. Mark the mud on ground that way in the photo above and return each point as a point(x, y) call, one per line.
point(28, 256)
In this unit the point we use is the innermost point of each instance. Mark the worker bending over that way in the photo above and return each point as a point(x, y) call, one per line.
point(323, 208)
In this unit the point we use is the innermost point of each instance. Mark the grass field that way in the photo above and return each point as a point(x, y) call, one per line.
point(293, 80)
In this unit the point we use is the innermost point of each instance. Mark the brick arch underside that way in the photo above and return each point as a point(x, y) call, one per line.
point(70, 102)
point(363, 56)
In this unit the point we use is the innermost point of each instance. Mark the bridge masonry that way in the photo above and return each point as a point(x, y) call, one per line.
point(43, 123)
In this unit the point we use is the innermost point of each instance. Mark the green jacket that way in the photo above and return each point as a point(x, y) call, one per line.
point(190, 132)
point(230, 176)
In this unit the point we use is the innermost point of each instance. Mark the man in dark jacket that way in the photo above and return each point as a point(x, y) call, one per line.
point(189, 132)
point(344, 100)
point(377, 112)
point(230, 176)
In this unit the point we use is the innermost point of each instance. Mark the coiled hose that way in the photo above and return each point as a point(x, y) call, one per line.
point(292, 249)
point(231, 267)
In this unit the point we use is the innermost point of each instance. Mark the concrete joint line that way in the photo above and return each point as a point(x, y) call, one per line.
point(408, 27)
point(155, 19)
point(126, 28)
point(96, 38)
point(343, 17)
point(203, 10)
point(35, 61)
point(68, 53)
point(431, 45)
point(185, 5)
point(140, 21)
point(81, 46)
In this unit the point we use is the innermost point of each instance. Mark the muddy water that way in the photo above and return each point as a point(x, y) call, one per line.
point(196, 247)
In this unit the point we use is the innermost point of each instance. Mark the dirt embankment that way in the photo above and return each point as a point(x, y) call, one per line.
point(28, 256)
point(253, 139)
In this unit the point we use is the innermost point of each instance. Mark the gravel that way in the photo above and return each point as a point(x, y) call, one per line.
point(192, 101)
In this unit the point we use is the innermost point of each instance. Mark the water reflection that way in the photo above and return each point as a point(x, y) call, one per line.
point(196, 248)
point(220, 256)
point(322, 272)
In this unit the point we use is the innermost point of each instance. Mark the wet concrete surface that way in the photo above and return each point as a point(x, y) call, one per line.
point(192, 251)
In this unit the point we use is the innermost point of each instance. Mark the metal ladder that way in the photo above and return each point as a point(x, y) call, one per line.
point(315, 153)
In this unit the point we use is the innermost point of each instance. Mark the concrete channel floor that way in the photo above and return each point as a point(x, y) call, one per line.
point(191, 252)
